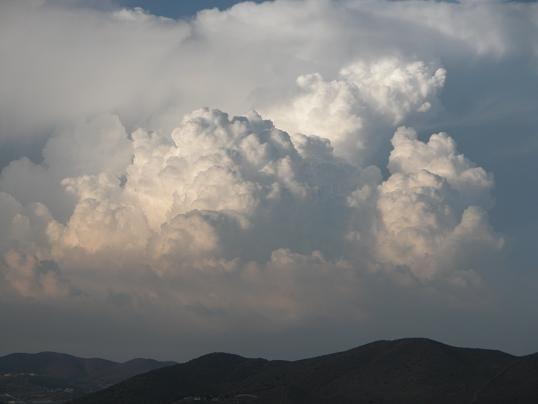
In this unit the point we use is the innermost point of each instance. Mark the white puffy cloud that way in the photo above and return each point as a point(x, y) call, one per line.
point(98, 225)
point(439, 157)
point(215, 184)
point(23, 227)
point(351, 110)
point(431, 208)
point(25, 256)
point(218, 192)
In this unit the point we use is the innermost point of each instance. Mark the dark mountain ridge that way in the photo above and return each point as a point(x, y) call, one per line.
point(403, 371)
point(69, 367)
point(60, 377)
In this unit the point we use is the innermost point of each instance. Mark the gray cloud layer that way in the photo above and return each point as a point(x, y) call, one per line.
point(357, 186)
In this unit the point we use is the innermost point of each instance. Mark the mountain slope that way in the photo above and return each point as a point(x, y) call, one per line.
point(54, 364)
point(401, 371)
point(516, 384)
point(55, 376)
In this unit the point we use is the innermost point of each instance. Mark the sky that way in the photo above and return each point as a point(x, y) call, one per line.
point(279, 179)
point(178, 9)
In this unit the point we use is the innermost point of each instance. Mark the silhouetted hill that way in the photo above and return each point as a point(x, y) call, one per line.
point(402, 371)
point(518, 383)
point(55, 376)
point(54, 364)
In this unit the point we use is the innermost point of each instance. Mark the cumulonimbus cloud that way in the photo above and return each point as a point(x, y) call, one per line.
point(223, 191)
point(123, 184)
